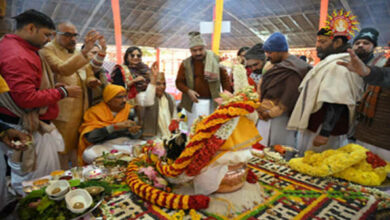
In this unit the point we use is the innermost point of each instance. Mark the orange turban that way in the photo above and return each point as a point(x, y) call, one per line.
point(110, 91)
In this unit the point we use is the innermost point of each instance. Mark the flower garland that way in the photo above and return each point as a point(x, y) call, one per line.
point(207, 136)
point(160, 197)
point(351, 162)
point(330, 161)
point(203, 138)
point(370, 172)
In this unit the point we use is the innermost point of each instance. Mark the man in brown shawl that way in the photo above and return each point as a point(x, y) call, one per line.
point(279, 91)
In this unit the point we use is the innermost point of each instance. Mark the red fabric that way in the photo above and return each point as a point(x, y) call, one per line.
point(132, 91)
point(250, 80)
point(21, 67)
point(173, 126)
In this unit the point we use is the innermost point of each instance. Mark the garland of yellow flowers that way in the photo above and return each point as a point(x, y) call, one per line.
point(330, 161)
point(348, 162)
point(160, 197)
point(203, 133)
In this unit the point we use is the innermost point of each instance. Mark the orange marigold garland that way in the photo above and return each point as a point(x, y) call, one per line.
point(160, 197)
point(203, 145)
point(204, 132)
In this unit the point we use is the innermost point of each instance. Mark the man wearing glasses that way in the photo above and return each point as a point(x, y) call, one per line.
point(71, 67)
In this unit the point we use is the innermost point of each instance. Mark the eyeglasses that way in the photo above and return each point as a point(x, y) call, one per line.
point(67, 34)
point(135, 55)
point(251, 66)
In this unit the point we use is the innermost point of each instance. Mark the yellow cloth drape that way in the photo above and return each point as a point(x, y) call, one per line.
point(244, 135)
point(98, 116)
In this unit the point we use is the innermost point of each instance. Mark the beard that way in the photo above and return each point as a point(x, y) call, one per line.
point(258, 71)
point(363, 54)
point(323, 53)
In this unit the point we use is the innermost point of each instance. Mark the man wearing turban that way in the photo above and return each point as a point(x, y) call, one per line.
point(106, 122)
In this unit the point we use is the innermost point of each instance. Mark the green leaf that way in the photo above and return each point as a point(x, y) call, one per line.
point(44, 204)
point(74, 182)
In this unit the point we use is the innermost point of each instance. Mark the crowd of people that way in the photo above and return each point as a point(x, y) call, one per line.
point(58, 110)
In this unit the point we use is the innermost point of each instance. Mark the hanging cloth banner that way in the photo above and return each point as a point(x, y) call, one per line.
point(118, 29)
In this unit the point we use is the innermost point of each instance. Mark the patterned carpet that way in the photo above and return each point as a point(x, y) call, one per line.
point(289, 195)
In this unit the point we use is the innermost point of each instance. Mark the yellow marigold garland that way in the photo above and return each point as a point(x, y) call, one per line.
point(348, 162)
point(364, 174)
point(330, 161)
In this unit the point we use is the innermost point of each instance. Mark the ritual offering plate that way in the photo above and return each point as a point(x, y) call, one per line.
point(57, 189)
point(94, 173)
point(78, 200)
point(280, 152)
point(41, 182)
point(55, 175)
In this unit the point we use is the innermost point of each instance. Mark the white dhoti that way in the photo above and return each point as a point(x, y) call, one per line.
point(203, 107)
point(274, 132)
point(122, 144)
point(305, 142)
point(47, 146)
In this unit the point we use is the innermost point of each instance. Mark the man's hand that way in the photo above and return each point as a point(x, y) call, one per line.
point(94, 83)
point(320, 140)
point(16, 140)
point(74, 91)
point(153, 77)
point(134, 129)
point(89, 41)
point(356, 65)
point(264, 115)
point(137, 79)
point(193, 95)
point(102, 43)
point(124, 125)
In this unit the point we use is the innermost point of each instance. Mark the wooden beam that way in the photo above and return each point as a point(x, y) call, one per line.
point(190, 5)
point(182, 27)
point(243, 24)
point(132, 12)
point(89, 20)
point(308, 21)
point(257, 18)
point(56, 9)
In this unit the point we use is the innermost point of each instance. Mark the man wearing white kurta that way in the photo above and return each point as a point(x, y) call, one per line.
point(325, 108)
